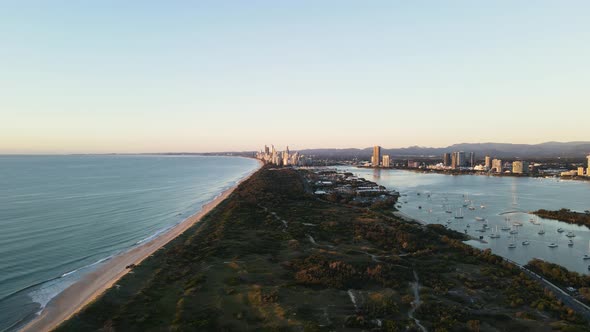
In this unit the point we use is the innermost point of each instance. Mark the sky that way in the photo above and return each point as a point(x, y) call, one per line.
point(202, 76)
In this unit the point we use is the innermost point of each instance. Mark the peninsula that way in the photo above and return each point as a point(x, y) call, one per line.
point(276, 256)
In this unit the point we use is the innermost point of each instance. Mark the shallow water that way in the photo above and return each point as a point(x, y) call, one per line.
point(62, 216)
point(502, 197)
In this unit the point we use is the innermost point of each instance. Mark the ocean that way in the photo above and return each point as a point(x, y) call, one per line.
point(502, 202)
point(63, 216)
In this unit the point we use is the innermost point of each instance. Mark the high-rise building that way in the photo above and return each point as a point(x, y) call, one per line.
point(386, 161)
point(446, 159)
point(588, 168)
point(497, 165)
point(461, 161)
point(454, 163)
point(488, 162)
point(376, 156)
point(580, 171)
point(471, 159)
point(520, 167)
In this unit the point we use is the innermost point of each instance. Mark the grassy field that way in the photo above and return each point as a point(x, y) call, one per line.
point(272, 257)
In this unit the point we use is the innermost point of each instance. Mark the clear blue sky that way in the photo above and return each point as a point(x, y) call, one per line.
point(142, 76)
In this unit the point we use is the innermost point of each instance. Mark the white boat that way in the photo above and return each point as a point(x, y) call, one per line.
point(459, 214)
point(570, 243)
point(541, 231)
point(514, 231)
point(482, 206)
point(525, 243)
point(570, 234)
point(495, 235)
point(480, 218)
point(587, 256)
point(516, 223)
point(471, 208)
point(512, 245)
point(553, 245)
point(560, 230)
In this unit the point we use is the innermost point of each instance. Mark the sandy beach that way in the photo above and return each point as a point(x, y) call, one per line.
point(92, 285)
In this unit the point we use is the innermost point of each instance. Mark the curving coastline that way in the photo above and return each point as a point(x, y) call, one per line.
point(92, 285)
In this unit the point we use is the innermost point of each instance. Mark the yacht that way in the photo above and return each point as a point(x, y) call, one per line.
point(512, 245)
point(480, 218)
point(552, 245)
point(585, 257)
point(483, 206)
point(570, 243)
point(514, 231)
point(471, 208)
point(495, 235)
point(516, 223)
point(570, 234)
point(459, 214)
point(541, 231)
point(560, 230)
point(525, 243)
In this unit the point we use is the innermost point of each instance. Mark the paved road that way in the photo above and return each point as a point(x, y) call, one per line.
point(562, 295)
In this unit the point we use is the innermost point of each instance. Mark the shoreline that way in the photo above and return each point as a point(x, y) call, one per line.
point(92, 285)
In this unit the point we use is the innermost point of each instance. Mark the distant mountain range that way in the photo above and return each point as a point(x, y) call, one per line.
point(501, 150)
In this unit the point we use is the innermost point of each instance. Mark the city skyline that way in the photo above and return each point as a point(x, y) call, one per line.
point(133, 78)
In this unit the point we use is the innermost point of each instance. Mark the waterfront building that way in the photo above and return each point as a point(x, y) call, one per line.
point(376, 156)
point(520, 167)
point(588, 168)
point(580, 171)
point(446, 159)
point(471, 159)
point(497, 165)
point(413, 164)
point(386, 161)
point(461, 161)
point(454, 164)
point(488, 164)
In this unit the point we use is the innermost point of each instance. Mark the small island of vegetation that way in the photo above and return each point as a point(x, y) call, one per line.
point(566, 215)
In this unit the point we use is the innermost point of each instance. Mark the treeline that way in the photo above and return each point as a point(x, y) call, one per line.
point(561, 276)
point(566, 215)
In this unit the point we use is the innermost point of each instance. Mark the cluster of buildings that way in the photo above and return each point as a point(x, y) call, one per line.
point(466, 161)
point(378, 160)
point(284, 158)
point(459, 159)
point(580, 171)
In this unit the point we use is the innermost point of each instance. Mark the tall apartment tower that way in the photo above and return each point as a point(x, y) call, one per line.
point(488, 162)
point(588, 168)
point(520, 167)
point(497, 165)
point(446, 159)
point(471, 159)
point(376, 156)
point(454, 163)
point(461, 161)
point(386, 161)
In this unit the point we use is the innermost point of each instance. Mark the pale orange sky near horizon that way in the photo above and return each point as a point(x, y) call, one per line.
point(209, 77)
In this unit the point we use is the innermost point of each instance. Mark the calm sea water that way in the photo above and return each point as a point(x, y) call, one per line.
point(502, 197)
point(62, 216)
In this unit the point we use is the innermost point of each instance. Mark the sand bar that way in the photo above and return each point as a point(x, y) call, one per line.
point(92, 285)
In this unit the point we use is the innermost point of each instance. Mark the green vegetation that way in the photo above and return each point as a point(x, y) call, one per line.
point(274, 257)
point(559, 275)
point(566, 215)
